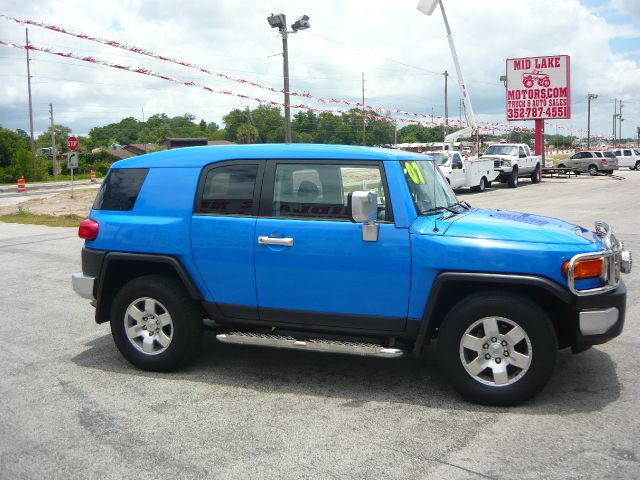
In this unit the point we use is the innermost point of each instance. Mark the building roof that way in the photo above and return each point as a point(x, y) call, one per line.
point(200, 156)
point(122, 154)
point(141, 148)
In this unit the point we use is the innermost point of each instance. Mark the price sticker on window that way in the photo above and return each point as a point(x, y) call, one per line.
point(413, 169)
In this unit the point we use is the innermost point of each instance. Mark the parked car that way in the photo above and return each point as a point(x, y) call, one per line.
point(628, 157)
point(592, 161)
point(346, 250)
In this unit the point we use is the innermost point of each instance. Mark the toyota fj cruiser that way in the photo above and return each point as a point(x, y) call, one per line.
point(342, 249)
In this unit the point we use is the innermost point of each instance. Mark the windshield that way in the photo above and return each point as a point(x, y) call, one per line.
point(441, 158)
point(429, 190)
point(502, 150)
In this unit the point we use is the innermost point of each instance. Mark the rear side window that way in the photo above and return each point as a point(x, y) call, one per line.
point(598, 154)
point(120, 189)
point(229, 190)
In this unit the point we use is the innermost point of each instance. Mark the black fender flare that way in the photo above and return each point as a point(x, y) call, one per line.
point(445, 279)
point(111, 258)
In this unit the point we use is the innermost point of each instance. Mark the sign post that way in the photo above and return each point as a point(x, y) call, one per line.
point(538, 88)
point(72, 157)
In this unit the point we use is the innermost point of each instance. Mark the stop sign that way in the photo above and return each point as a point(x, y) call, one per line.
point(72, 143)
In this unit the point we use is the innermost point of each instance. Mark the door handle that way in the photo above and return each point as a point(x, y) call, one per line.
point(283, 242)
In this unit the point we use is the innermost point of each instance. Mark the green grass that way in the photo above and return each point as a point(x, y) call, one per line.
point(61, 178)
point(26, 217)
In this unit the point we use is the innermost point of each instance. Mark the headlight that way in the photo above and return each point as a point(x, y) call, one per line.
point(626, 259)
point(506, 163)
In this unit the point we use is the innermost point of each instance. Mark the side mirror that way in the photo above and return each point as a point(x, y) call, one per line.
point(363, 208)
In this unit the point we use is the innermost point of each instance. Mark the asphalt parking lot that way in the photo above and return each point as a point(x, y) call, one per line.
point(71, 407)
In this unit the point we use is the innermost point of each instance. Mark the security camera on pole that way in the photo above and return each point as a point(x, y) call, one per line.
point(279, 21)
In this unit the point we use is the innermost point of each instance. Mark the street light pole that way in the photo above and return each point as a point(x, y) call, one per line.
point(590, 96)
point(279, 21)
point(287, 98)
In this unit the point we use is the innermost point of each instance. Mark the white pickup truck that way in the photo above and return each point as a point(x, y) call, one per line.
point(514, 160)
point(475, 173)
point(628, 157)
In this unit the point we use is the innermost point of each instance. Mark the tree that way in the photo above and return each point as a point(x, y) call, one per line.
point(233, 120)
point(62, 133)
point(331, 129)
point(125, 132)
point(246, 133)
point(304, 126)
point(269, 122)
point(15, 158)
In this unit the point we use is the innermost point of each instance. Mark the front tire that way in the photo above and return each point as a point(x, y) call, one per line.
point(497, 348)
point(155, 324)
point(512, 181)
point(637, 165)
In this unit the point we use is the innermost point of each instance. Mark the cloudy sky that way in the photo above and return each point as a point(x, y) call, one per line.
point(401, 51)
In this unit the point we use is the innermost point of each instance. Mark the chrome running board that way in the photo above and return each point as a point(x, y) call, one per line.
point(314, 344)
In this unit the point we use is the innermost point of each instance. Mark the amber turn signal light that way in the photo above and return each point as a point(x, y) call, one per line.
point(590, 268)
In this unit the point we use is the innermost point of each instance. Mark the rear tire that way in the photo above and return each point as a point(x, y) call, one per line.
point(512, 181)
point(536, 175)
point(593, 170)
point(155, 324)
point(480, 187)
point(497, 348)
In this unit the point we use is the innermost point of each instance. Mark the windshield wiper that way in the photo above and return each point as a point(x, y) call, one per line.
point(439, 209)
point(462, 204)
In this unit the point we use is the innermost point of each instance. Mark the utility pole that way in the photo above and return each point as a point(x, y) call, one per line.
point(145, 143)
point(54, 155)
point(446, 103)
point(590, 96)
point(364, 124)
point(620, 120)
point(395, 133)
point(33, 142)
point(615, 114)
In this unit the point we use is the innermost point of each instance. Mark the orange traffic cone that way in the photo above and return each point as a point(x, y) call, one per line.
point(22, 185)
point(92, 173)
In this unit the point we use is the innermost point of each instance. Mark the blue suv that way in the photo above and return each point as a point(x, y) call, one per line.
point(342, 249)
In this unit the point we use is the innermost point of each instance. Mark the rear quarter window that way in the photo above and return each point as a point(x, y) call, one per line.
point(120, 189)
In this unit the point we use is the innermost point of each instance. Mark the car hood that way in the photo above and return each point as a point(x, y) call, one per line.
point(504, 225)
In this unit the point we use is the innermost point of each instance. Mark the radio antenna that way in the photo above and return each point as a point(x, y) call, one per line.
point(435, 202)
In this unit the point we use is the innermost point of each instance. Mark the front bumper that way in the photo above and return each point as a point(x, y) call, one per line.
point(504, 170)
point(83, 285)
point(600, 317)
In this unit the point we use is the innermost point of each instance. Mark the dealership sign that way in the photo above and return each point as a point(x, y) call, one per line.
point(538, 88)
